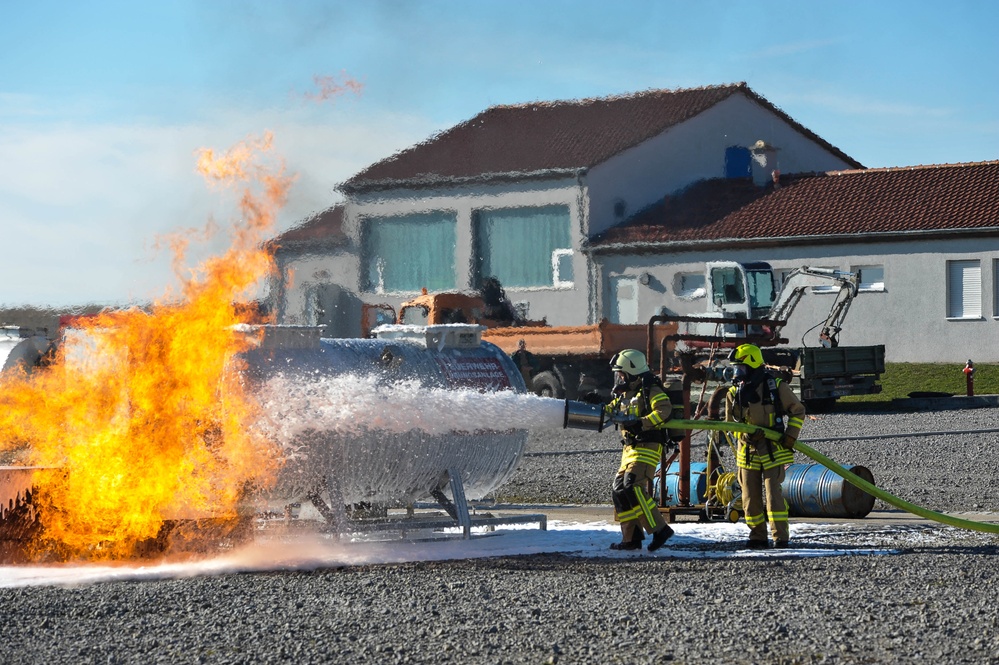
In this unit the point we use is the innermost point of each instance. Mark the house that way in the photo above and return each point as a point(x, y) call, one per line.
point(924, 239)
point(608, 208)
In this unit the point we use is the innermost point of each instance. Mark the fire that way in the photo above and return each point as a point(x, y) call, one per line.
point(142, 414)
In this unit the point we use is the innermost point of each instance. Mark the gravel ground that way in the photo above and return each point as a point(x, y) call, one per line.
point(934, 598)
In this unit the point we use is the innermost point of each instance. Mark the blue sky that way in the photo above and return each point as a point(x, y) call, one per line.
point(103, 104)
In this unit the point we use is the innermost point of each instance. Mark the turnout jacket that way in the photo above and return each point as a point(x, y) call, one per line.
point(780, 410)
point(652, 406)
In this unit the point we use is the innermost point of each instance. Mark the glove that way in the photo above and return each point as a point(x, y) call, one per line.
point(787, 442)
point(631, 425)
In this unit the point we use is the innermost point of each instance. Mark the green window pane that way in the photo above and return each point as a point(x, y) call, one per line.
point(410, 252)
point(520, 246)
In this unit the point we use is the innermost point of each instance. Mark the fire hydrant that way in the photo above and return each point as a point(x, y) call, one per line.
point(969, 375)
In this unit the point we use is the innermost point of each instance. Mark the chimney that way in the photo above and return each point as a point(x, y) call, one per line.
point(764, 162)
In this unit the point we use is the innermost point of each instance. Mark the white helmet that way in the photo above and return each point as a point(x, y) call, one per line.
point(631, 362)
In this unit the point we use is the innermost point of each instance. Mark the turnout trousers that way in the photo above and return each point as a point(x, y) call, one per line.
point(633, 507)
point(758, 510)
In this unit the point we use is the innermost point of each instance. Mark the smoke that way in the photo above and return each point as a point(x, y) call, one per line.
point(329, 87)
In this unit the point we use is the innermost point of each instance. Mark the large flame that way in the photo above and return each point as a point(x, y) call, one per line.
point(142, 414)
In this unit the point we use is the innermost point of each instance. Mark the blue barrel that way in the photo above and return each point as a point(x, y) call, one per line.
point(812, 490)
point(698, 483)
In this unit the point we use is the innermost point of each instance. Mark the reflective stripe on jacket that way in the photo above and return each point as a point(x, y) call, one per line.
point(755, 451)
point(659, 410)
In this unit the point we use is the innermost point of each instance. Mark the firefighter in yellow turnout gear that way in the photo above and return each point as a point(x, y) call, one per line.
point(638, 394)
point(759, 398)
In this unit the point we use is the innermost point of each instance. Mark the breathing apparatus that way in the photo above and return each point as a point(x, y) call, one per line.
point(747, 374)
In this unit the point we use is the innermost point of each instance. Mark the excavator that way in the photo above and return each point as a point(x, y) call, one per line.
point(745, 305)
point(748, 292)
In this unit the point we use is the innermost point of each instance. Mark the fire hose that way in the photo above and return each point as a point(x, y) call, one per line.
point(891, 499)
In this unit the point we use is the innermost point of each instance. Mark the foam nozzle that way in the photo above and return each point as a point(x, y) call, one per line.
point(582, 415)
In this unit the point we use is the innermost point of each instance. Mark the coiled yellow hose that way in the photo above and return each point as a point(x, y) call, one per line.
point(852, 478)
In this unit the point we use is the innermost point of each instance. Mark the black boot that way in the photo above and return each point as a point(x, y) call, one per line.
point(634, 544)
point(660, 537)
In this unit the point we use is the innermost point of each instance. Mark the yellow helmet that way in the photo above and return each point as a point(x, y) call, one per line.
point(631, 362)
point(747, 354)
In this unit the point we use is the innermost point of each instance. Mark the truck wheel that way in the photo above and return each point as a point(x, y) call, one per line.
point(547, 384)
point(820, 405)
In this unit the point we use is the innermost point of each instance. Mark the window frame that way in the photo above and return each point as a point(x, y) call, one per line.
point(820, 289)
point(558, 254)
point(975, 266)
point(375, 264)
point(695, 293)
point(480, 218)
point(870, 287)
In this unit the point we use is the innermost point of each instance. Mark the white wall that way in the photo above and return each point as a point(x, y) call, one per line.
point(560, 306)
point(695, 150)
point(909, 317)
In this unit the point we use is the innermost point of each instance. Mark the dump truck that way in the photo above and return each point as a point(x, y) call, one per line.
point(568, 361)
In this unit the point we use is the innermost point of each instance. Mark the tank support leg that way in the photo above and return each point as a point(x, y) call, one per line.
point(335, 514)
point(457, 509)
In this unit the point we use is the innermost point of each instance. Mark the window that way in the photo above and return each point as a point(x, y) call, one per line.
point(689, 285)
point(964, 290)
point(995, 290)
point(410, 252)
point(761, 290)
point(780, 277)
point(525, 247)
point(728, 287)
point(830, 287)
point(414, 315)
point(872, 278)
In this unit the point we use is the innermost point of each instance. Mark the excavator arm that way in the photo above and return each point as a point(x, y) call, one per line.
point(800, 279)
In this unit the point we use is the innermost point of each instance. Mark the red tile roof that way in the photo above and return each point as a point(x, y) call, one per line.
point(556, 136)
point(858, 204)
point(322, 230)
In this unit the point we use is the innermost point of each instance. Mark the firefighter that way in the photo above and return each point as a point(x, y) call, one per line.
point(758, 397)
point(638, 393)
point(526, 363)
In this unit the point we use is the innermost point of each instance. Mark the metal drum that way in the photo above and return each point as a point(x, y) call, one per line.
point(383, 467)
point(812, 490)
point(698, 483)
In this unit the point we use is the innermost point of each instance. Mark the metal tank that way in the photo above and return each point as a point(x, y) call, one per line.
point(812, 490)
point(360, 466)
point(21, 348)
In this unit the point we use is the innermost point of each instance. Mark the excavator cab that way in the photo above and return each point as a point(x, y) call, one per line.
point(741, 290)
point(762, 289)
